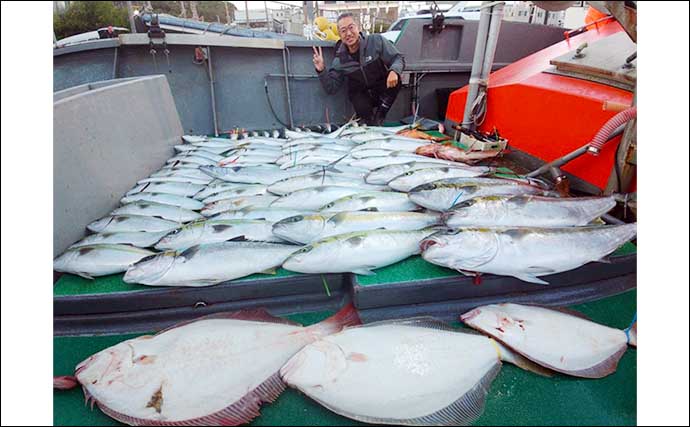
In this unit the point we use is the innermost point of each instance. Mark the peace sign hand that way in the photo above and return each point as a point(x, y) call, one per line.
point(318, 59)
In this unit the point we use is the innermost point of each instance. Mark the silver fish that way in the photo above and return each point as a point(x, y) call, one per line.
point(386, 174)
point(213, 231)
point(313, 198)
point(248, 190)
point(240, 202)
point(264, 174)
point(179, 189)
point(268, 213)
point(219, 187)
point(527, 211)
point(442, 195)
point(309, 228)
point(359, 252)
point(153, 209)
point(412, 179)
point(98, 260)
point(290, 185)
point(384, 201)
point(559, 340)
point(210, 264)
point(140, 239)
point(163, 198)
point(524, 252)
point(395, 158)
point(125, 223)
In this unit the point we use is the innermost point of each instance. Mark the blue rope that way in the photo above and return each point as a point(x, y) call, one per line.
point(456, 199)
point(627, 330)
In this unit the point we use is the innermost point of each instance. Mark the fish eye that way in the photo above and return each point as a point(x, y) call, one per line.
point(297, 218)
point(305, 249)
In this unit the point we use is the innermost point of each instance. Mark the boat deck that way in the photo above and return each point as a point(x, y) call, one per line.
point(516, 397)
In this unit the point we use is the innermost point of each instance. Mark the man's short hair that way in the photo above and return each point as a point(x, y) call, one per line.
point(346, 15)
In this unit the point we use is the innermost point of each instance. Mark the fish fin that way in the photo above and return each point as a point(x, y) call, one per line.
point(604, 260)
point(508, 355)
point(190, 252)
point(240, 412)
point(252, 315)
point(241, 238)
point(421, 322)
point(535, 269)
point(526, 277)
point(65, 382)
point(372, 209)
point(364, 271)
point(219, 228)
point(84, 275)
point(269, 271)
point(601, 369)
point(465, 410)
point(345, 317)
point(632, 335)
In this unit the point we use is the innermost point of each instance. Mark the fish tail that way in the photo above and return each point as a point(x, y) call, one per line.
point(347, 316)
point(64, 382)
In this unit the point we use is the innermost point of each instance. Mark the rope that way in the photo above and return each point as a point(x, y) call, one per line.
point(496, 347)
point(627, 330)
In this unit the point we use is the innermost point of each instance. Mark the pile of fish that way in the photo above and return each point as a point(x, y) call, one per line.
point(352, 200)
point(219, 369)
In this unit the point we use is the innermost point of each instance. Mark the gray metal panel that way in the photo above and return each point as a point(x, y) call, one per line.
point(188, 82)
point(82, 67)
point(102, 143)
point(92, 45)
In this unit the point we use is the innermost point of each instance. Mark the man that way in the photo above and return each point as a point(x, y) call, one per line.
point(371, 65)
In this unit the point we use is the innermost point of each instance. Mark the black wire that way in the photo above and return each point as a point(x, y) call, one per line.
point(268, 98)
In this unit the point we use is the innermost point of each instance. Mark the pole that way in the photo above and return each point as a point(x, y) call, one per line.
point(130, 12)
point(246, 13)
point(268, 20)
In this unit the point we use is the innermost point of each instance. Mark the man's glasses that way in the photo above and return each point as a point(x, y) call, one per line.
point(349, 29)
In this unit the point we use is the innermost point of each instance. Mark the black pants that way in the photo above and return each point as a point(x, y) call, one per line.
point(372, 105)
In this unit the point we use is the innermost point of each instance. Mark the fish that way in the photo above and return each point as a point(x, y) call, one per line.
point(248, 190)
point(163, 198)
point(98, 260)
point(262, 174)
point(289, 185)
point(558, 339)
point(248, 160)
point(234, 203)
point(189, 148)
point(359, 252)
point(186, 189)
point(169, 212)
point(391, 143)
point(313, 198)
point(394, 158)
point(176, 178)
point(450, 152)
point(305, 229)
point(209, 264)
point(293, 149)
point(267, 213)
point(524, 252)
point(386, 174)
point(443, 194)
point(418, 134)
point(213, 231)
point(125, 223)
point(415, 178)
point(384, 201)
point(527, 210)
point(219, 187)
point(195, 151)
point(374, 152)
point(415, 372)
point(140, 239)
point(212, 370)
point(192, 159)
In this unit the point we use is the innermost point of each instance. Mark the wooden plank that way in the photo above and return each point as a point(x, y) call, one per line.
point(603, 58)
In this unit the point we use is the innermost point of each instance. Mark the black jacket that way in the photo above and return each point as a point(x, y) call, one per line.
point(377, 57)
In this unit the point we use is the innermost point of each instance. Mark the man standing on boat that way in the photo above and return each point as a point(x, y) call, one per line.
point(371, 65)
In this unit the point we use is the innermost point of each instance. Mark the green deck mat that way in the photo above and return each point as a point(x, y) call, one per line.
point(516, 397)
point(70, 284)
point(416, 268)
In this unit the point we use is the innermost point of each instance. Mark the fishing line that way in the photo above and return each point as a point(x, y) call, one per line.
point(627, 330)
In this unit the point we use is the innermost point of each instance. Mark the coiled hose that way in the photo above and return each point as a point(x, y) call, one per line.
point(602, 137)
